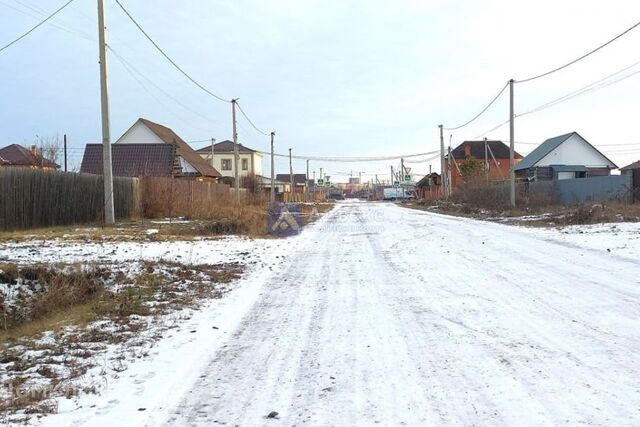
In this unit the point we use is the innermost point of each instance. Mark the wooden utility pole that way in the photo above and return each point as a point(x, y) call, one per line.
point(306, 182)
point(235, 150)
point(443, 165)
point(291, 173)
point(486, 159)
point(392, 183)
point(65, 152)
point(512, 163)
point(109, 212)
point(213, 143)
point(273, 176)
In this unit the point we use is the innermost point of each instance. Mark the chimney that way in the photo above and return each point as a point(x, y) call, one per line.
point(34, 150)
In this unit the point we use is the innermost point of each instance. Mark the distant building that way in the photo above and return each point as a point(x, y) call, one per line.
point(429, 187)
point(299, 180)
point(186, 163)
point(567, 156)
point(494, 155)
point(249, 160)
point(16, 155)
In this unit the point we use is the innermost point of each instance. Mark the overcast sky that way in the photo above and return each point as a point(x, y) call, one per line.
point(331, 77)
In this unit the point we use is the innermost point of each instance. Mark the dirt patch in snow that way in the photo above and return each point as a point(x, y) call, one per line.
point(547, 216)
point(65, 326)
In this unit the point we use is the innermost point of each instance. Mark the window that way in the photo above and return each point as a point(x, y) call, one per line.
point(245, 164)
point(226, 164)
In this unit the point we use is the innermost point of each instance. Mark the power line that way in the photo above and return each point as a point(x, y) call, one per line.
point(593, 86)
point(580, 58)
point(129, 67)
point(132, 71)
point(176, 66)
point(36, 26)
point(482, 111)
point(250, 122)
point(350, 159)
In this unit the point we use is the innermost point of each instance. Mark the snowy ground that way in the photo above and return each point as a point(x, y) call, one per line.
point(379, 314)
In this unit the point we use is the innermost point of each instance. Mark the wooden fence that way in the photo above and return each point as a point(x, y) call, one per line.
point(31, 198)
point(166, 197)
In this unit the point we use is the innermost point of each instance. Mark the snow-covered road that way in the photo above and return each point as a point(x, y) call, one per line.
point(401, 317)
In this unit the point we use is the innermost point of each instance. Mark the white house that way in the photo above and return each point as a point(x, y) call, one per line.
point(564, 157)
point(190, 163)
point(249, 162)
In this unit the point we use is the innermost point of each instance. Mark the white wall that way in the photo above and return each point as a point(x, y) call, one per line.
point(139, 133)
point(575, 151)
point(254, 159)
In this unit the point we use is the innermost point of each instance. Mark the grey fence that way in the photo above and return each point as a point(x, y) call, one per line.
point(584, 190)
point(35, 198)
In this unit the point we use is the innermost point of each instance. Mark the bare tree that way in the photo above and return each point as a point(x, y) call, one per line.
point(49, 147)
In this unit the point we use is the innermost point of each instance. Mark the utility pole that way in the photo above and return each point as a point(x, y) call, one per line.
point(512, 165)
point(65, 152)
point(443, 166)
point(392, 183)
point(273, 177)
point(486, 159)
point(291, 172)
point(402, 169)
point(306, 182)
point(107, 171)
point(320, 173)
point(213, 141)
point(236, 155)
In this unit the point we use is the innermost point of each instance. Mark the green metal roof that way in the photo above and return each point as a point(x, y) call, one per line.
point(542, 150)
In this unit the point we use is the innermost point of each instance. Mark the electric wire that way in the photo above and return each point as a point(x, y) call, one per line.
point(349, 159)
point(591, 87)
point(591, 52)
point(167, 57)
point(481, 112)
point(251, 122)
point(38, 25)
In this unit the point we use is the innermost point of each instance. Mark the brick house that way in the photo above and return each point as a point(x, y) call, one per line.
point(493, 154)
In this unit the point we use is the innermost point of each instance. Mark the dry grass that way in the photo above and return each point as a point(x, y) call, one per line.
point(83, 310)
point(539, 216)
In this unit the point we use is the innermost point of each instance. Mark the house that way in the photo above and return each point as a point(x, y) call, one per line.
point(634, 170)
point(141, 159)
point(299, 181)
point(493, 154)
point(18, 156)
point(280, 186)
point(188, 163)
point(429, 187)
point(249, 161)
point(566, 156)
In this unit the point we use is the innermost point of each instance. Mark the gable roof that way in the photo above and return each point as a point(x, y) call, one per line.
point(634, 165)
point(542, 150)
point(499, 149)
point(17, 155)
point(298, 178)
point(432, 178)
point(183, 149)
point(132, 159)
point(225, 147)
